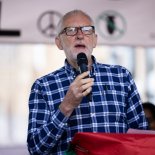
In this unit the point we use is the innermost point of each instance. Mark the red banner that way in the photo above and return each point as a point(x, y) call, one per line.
point(113, 144)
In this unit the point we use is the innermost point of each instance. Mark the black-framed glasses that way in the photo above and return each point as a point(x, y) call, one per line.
point(71, 31)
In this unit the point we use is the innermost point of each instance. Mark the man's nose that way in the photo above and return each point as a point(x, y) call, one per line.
point(79, 33)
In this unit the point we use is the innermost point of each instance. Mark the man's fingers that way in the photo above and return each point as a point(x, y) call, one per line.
point(87, 91)
point(82, 76)
point(87, 85)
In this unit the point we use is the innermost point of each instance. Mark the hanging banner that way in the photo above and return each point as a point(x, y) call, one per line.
point(118, 22)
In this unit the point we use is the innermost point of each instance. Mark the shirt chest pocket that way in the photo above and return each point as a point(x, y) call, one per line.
point(110, 93)
point(114, 96)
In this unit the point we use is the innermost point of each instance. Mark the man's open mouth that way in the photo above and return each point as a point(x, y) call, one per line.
point(80, 46)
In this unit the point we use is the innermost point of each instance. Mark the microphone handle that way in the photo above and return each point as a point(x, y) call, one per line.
point(89, 96)
point(83, 68)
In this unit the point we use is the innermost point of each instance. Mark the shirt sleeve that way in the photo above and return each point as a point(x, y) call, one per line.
point(135, 113)
point(45, 125)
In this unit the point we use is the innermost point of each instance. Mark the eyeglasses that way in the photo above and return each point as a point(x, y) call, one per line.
point(71, 31)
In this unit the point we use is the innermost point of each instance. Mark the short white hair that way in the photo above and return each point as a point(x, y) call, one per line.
point(69, 14)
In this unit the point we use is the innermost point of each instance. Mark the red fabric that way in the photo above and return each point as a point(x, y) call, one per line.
point(113, 144)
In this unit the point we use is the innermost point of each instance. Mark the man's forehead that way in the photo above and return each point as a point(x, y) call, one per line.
point(77, 20)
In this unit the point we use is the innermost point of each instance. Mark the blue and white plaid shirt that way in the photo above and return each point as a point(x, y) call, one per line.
point(115, 107)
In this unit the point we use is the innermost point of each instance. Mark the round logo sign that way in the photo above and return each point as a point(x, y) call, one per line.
point(47, 23)
point(111, 25)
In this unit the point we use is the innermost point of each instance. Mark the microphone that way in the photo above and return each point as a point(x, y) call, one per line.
point(82, 62)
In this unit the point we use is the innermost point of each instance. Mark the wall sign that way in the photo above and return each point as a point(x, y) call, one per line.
point(47, 23)
point(111, 25)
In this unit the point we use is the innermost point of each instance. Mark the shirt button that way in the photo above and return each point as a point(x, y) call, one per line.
point(65, 124)
point(57, 136)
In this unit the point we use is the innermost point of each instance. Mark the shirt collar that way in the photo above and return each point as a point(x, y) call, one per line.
point(74, 72)
point(70, 70)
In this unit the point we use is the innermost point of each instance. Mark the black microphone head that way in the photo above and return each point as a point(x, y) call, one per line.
point(82, 59)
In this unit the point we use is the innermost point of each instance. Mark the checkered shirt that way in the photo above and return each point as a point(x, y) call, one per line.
point(115, 107)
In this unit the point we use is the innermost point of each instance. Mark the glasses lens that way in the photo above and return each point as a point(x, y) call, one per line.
point(87, 29)
point(70, 31)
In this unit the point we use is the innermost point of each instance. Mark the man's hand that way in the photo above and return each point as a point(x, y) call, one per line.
point(79, 88)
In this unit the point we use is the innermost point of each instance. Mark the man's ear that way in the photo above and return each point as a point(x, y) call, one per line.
point(58, 43)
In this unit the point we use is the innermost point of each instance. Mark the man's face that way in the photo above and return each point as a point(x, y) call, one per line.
point(72, 45)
